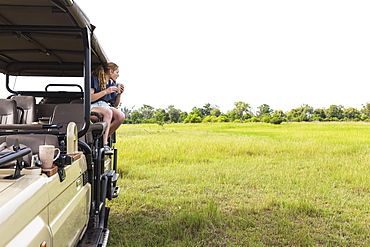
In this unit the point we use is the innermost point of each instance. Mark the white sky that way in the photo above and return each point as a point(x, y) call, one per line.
point(284, 53)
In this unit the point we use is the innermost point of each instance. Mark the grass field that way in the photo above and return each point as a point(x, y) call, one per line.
point(253, 184)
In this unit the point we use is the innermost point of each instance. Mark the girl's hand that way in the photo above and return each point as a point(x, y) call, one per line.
point(120, 88)
point(111, 89)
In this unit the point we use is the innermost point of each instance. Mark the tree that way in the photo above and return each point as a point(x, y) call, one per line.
point(335, 112)
point(161, 116)
point(207, 109)
point(366, 109)
point(136, 116)
point(147, 111)
point(264, 110)
point(241, 108)
point(197, 111)
point(351, 113)
point(318, 115)
point(216, 112)
point(299, 114)
point(243, 113)
point(127, 112)
point(173, 114)
point(279, 113)
point(232, 115)
point(183, 116)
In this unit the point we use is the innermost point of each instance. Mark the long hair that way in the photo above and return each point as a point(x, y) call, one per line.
point(101, 71)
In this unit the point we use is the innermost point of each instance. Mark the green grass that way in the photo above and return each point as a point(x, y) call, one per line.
point(253, 184)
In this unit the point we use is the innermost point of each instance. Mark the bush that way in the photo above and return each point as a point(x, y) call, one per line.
point(210, 119)
point(276, 120)
point(266, 119)
point(207, 119)
point(222, 119)
point(128, 121)
point(193, 118)
point(363, 117)
point(334, 119)
point(253, 119)
point(318, 119)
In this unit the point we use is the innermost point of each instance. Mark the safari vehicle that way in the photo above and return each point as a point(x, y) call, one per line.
point(64, 205)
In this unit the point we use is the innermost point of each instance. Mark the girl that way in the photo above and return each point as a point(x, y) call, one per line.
point(104, 93)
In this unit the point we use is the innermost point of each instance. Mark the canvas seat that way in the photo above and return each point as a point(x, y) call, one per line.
point(32, 141)
point(8, 111)
point(28, 106)
point(65, 113)
point(44, 112)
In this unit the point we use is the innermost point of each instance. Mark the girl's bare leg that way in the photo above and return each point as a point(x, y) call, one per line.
point(107, 117)
point(117, 119)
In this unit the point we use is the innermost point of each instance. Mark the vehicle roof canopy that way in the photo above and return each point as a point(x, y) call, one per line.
point(46, 38)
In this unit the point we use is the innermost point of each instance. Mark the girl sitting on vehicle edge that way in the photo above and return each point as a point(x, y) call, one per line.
point(105, 92)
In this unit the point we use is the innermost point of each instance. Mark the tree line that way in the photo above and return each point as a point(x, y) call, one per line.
point(243, 112)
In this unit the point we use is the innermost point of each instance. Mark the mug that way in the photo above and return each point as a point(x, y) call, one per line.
point(119, 87)
point(46, 153)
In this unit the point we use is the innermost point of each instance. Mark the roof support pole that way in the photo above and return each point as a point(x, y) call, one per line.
point(87, 80)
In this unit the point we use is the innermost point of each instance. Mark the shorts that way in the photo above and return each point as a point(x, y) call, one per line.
point(100, 104)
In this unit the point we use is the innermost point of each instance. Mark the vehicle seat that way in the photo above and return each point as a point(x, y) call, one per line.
point(32, 141)
point(8, 111)
point(66, 113)
point(77, 101)
point(44, 112)
point(94, 116)
point(28, 104)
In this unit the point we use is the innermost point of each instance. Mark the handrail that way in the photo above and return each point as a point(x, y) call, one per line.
point(8, 157)
point(63, 85)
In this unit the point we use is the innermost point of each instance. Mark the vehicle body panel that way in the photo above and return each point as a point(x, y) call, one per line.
point(23, 207)
point(31, 235)
point(63, 205)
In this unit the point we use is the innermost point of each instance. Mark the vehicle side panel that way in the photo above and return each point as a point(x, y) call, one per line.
point(36, 208)
point(34, 233)
point(70, 205)
point(23, 210)
point(70, 222)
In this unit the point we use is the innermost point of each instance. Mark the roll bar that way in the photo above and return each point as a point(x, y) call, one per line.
point(86, 41)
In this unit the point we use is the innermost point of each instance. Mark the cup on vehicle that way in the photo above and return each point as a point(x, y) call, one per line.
point(118, 85)
point(47, 153)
